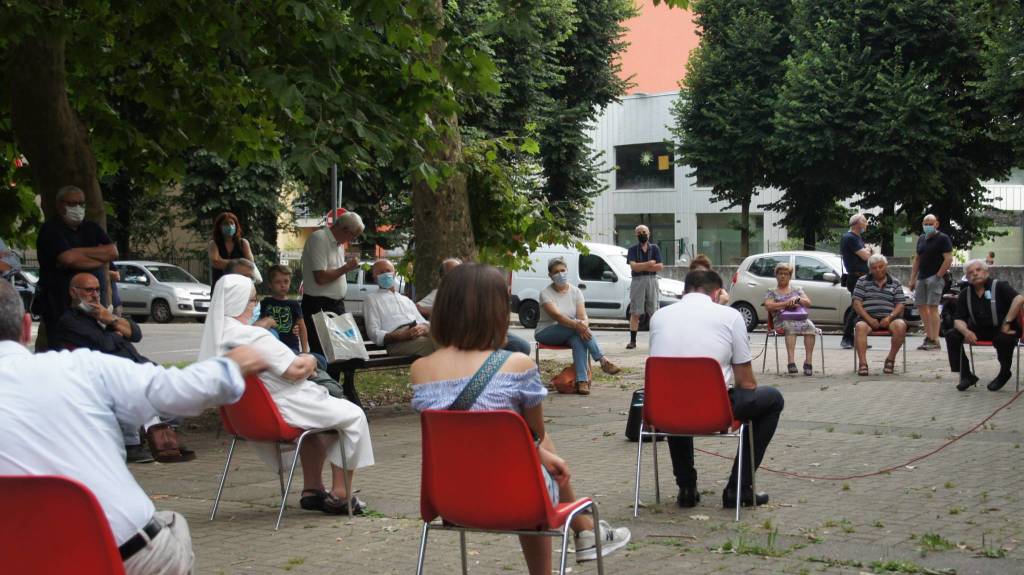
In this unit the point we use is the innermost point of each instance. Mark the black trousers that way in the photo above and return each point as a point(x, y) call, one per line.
point(851, 283)
point(311, 305)
point(762, 406)
point(1003, 343)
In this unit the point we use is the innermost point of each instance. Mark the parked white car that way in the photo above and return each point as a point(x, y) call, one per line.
point(603, 275)
point(818, 273)
point(160, 291)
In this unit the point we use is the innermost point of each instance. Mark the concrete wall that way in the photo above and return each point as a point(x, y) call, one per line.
point(1012, 274)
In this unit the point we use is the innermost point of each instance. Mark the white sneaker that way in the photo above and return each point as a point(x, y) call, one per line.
point(612, 539)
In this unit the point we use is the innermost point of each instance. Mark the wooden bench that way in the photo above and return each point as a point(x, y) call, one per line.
point(345, 371)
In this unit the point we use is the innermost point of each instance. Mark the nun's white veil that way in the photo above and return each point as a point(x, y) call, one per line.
point(230, 297)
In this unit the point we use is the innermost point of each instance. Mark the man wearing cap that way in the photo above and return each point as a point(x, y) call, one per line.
point(324, 266)
point(645, 263)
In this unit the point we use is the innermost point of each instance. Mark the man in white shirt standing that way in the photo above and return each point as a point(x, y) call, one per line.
point(392, 319)
point(698, 327)
point(324, 266)
point(60, 414)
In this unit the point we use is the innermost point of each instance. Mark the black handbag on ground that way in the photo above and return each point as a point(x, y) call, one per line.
point(636, 414)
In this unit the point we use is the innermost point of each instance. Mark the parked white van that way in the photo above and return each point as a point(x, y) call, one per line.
point(603, 275)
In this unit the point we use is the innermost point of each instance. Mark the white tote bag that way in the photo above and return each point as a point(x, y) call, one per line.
point(339, 336)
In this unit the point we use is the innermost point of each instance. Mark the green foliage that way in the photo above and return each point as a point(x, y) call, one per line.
point(1002, 86)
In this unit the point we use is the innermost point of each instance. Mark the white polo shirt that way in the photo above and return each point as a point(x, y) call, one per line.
point(386, 310)
point(322, 253)
point(698, 327)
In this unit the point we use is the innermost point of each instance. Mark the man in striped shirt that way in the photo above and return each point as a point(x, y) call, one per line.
point(878, 302)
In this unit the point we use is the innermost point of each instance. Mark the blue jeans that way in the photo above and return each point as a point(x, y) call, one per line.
point(582, 351)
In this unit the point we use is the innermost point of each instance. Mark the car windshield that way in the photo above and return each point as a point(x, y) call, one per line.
point(30, 276)
point(171, 274)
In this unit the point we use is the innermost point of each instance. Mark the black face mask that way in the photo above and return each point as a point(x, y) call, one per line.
point(642, 238)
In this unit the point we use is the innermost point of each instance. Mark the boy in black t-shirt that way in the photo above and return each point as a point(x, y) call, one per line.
point(286, 312)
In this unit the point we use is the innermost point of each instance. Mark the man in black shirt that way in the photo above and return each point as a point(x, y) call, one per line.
point(67, 245)
point(934, 256)
point(855, 259)
point(644, 262)
point(988, 310)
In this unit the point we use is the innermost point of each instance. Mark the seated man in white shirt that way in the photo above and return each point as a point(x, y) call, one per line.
point(698, 327)
point(60, 415)
point(392, 319)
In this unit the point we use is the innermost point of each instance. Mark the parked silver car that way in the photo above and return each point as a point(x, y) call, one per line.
point(818, 273)
point(160, 291)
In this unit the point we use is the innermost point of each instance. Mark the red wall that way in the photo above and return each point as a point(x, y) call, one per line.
point(660, 40)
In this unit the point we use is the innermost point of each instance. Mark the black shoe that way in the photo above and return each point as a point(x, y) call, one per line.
point(747, 499)
point(846, 344)
point(313, 499)
point(1000, 380)
point(688, 497)
point(967, 379)
point(137, 454)
point(631, 345)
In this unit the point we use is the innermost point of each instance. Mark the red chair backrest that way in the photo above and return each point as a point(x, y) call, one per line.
point(54, 525)
point(686, 395)
point(481, 469)
point(255, 416)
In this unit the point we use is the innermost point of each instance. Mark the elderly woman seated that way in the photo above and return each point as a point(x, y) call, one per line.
point(302, 403)
point(878, 301)
point(788, 306)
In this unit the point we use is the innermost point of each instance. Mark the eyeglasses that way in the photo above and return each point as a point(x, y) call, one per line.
point(87, 289)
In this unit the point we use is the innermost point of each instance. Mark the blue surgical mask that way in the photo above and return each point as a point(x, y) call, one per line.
point(560, 278)
point(255, 314)
point(386, 280)
point(228, 230)
point(928, 229)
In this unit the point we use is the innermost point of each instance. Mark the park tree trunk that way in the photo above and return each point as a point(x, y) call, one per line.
point(745, 228)
point(442, 224)
point(46, 128)
point(888, 230)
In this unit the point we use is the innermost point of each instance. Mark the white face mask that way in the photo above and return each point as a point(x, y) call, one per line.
point(75, 214)
point(560, 278)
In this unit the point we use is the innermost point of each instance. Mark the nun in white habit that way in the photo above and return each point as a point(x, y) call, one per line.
point(302, 403)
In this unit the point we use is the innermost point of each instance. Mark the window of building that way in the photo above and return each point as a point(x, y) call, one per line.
point(663, 231)
point(644, 167)
point(718, 237)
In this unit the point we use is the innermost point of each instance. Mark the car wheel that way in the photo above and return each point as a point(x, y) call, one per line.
point(160, 311)
point(201, 319)
point(749, 314)
point(529, 313)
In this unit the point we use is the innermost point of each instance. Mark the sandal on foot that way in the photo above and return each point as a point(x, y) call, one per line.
point(862, 369)
point(334, 505)
point(808, 369)
point(791, 367)
point(314, 501)
point(890, 366)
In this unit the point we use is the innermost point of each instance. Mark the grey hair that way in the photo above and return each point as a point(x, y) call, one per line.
point(858, 217)
point(12, 312)
point(236, 263)
point(783, 266)
point(875, 258)
point(349, 222)
point(63, 192)
point(441, 268)
point(641, 227)
point(975, 262)
point(555, 261)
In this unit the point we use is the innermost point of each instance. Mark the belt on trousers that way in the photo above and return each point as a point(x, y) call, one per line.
point(635, 274)
point(139, 542)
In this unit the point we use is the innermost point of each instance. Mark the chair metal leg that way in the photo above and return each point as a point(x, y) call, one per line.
point(423, 548)
point(536, 352)
point(223, 477)
point(1016, 386)
point(280, 469)
point(739, 472)
point(597, 538)
point(973, 368)
point(565, 545)
point(904, 356)
point(639, 452)
point(288, 486)
point(462, 551)
point(764, 354)
point(821, 346)
point(750, 445)
point(657, 482)
point(778, 368)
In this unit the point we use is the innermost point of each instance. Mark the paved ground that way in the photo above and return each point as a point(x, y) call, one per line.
point(957, 511)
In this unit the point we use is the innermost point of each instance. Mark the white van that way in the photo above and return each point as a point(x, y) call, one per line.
point(603, 275)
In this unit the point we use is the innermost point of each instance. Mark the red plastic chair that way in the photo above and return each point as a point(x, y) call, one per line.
point(687, 397)
point(537, 346)
point(775, 333)
point(38, 508)
point(987, 343)
point(255, 417)
point(880, 333)
point(481, 473)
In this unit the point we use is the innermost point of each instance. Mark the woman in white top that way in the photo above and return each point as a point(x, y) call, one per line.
point(302, 403)
point(563, 321)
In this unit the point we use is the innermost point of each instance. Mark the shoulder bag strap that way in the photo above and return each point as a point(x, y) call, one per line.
point(970, 308)
point(483, 376)
point(996, 320)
